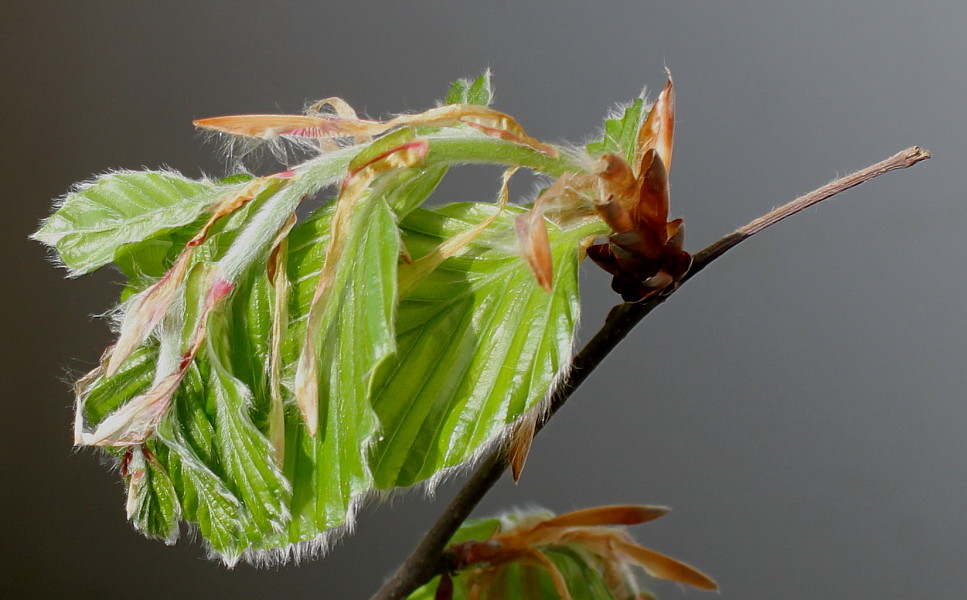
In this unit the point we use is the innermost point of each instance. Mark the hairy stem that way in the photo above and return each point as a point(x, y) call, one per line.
point(425, 561)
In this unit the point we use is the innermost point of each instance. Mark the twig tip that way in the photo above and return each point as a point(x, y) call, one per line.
point(915, 154)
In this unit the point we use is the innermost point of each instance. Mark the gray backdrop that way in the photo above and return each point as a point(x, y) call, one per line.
point(800, 404)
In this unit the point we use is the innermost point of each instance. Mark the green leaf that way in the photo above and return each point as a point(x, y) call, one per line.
point(476, 529)
point(248, 332)
point(584, 581)
point(465, 91)
point(354, 335)
point(146, 261)
point(244, 452)
point(189, 438)
point(97, 218)
point(236, 178)
point(620, 133)
point(412, 188)
point(103, 395)
point(480, 343)
point(213, 442)
point(476, 148)
point(153, 506)
point(205, 498)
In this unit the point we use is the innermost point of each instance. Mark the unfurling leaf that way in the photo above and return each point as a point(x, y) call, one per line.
point(320, 126)
point(147, 309)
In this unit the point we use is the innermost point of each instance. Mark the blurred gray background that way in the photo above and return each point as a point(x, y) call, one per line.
point(801, 404)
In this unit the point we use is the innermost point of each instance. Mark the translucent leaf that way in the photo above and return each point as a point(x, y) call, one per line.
point(480, 343)
point(96, 219)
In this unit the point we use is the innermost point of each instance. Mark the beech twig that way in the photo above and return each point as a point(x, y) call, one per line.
point(425, 560)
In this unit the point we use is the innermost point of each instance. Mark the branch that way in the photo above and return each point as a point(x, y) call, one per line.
point(425, 561)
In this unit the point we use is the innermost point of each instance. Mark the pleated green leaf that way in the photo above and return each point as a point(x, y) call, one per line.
point(153, 506)
point(101, 396)
point(97, 218)
point(205, 497)
point(244, 452)
point(480, 343)
point(355, 334)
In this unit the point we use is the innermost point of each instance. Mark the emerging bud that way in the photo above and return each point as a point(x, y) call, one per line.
point(644, 254)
